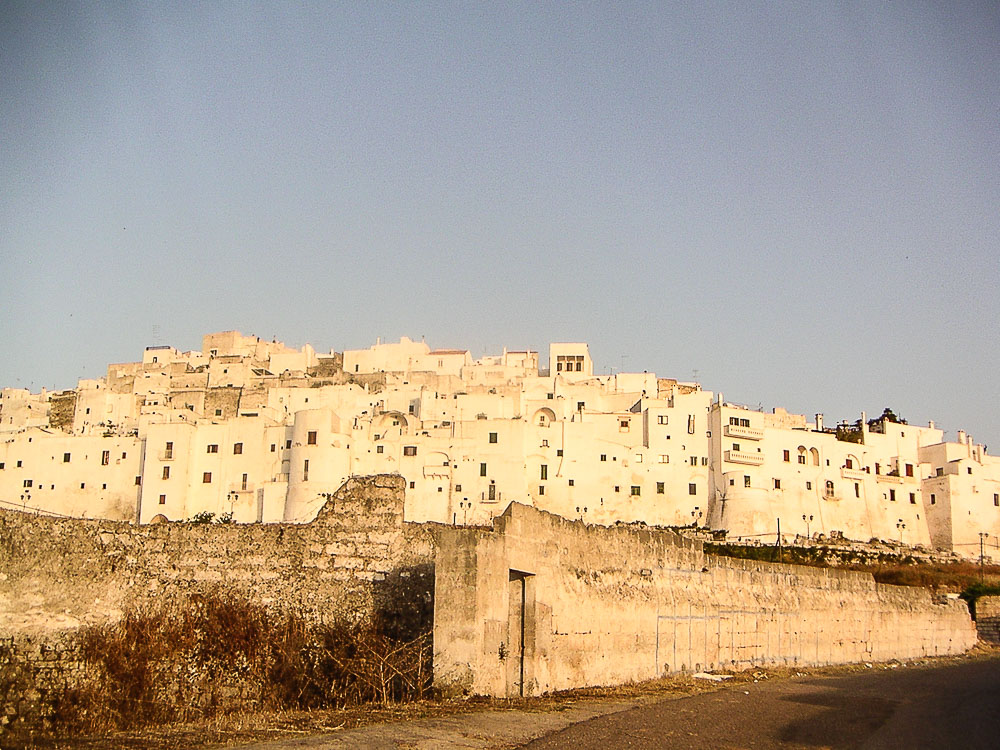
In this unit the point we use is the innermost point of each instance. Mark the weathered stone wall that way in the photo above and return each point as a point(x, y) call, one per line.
point(57, 575)
point(62, 409)
point(540, 603)
point(988, 618)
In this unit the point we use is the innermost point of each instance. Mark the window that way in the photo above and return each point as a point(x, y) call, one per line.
point(571, 482)
point(541, 489)
point(909, 470)
point(635, 490)
point(744, 423)
point(288, 444)
point(124, 454)
point(311, 437)
point(168, 450)
point(1, 465)
point(809, 485)
point(166, 472)
point(704, 460)
point(243, 483)
point(638, 458)
point(996, 497)
point(934, 499)
point(913, 498)
point(83, 485)
point(777, 484)
point(218, 412)
point(746, 480)
point(409, 450)
point(106, 458)
point(857, 490)
point(66, 458)
point(380, 449)
point(580, 405)
point(19, 464)
point(493, 437)
point(273, 447)
point(734, 421)
point(829, 488)
point(736, 447)
point(305, 470)
point(559, 451)
point(412, 485)
point(892, 495)
point(663, 459)
point(604, 456)
point(849, 463)
point(237, 449)
point(163, 499)
point(27, 483)
point(660, 488)
point(691, 424)
point(545, 471)
point(969, 470)
point(786, 456)
point(206, 478)
point(663, 419)
point(458, 488)
point(482, 470)
point(618, 488)
point(623, 425)
point(692, 488)
point(694, 460)
point(213, 448)
point(138, 480)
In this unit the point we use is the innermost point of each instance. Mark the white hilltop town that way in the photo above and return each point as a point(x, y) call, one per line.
point(255, 431)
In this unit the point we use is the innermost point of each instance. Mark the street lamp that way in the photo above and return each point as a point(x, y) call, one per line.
point(982, 566)
point(25, 499)
point(900, 525)
point(808, 519)
point(696, 514)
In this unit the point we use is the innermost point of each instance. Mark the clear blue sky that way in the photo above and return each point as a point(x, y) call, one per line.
point(801, 201)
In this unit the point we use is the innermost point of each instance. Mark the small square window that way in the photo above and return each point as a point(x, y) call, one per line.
point(660, 488)
point(635, 490)
point(213, 448)
point(617, 488)
point(19, 464)
point(604, 456)
point(458, 488)
point(380, 449)
point(138, 481)
point(218, 412)
point(273, 446)
point(66, 457)
point(237, 449)
point(746, 480)
point(559, 451)
point(493, 437)
point(777, 484)
point(692, 488)
point(412, 485)
point(311, 437)
point(571, 483)
point(83, 485)
point(163, 499)
point(206, 478)
point(409, 450)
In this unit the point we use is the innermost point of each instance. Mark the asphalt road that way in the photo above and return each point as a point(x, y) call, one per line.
point(955, 706)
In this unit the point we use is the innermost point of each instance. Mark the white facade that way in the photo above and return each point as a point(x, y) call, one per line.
point(242, 428)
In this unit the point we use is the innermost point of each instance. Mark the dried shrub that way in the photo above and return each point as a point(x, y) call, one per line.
point(206, 654)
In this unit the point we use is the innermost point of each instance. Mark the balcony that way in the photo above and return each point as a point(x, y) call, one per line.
point(486, 497)
point(165, 455)
point(238, 487)
point(853, 473)
point(747, 433)
point(889, 478)
point(741, 457)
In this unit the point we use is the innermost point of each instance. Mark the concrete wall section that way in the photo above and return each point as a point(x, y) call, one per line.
point(540, 603)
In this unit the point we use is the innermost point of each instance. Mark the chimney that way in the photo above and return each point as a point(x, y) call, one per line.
point(961, 437)
point(819, 423)
point(930, 424)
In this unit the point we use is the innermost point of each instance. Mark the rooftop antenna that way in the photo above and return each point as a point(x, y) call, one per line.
point(694, 374)
point(156, 334)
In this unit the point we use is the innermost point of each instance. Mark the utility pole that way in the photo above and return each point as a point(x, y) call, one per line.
point(982, 565)
point(780, 557)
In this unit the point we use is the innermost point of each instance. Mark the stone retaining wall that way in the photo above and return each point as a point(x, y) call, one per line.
point(540, 603)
